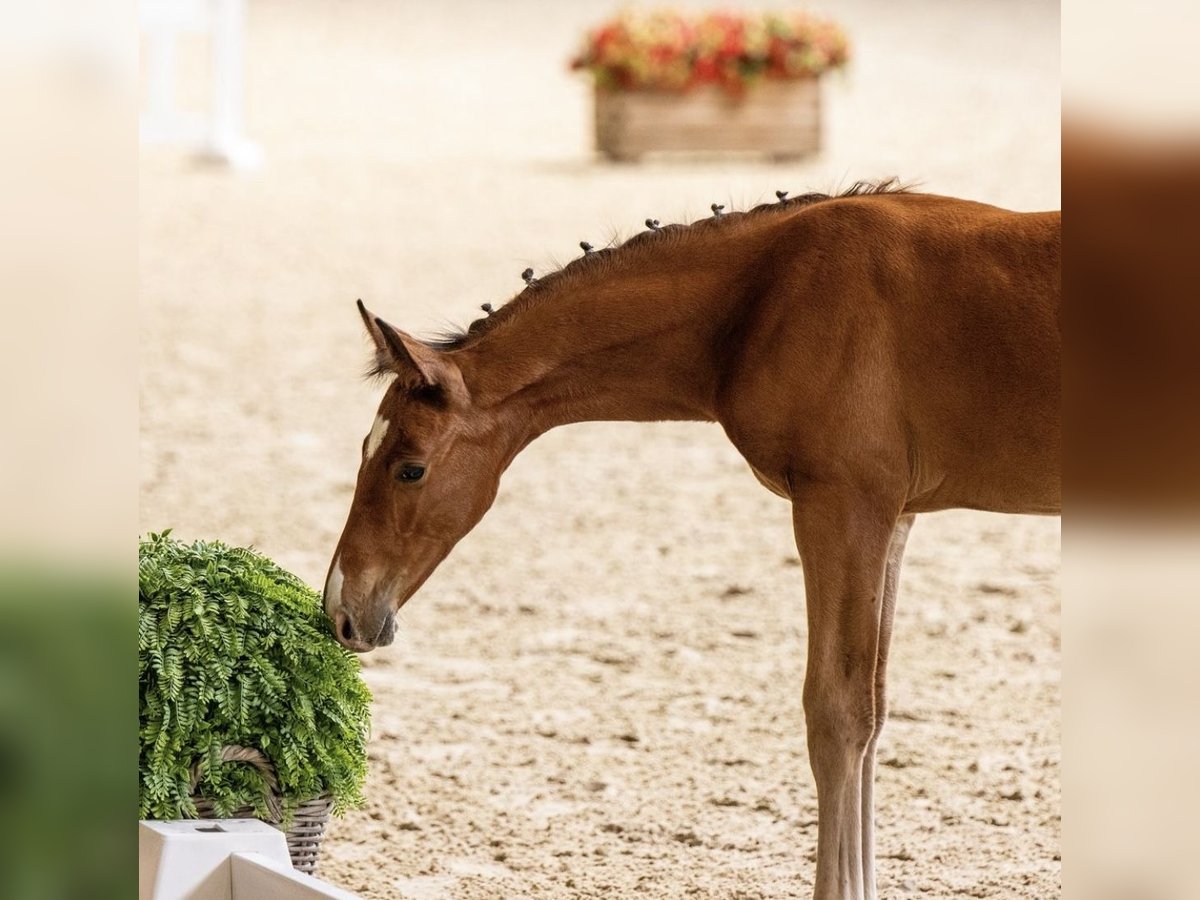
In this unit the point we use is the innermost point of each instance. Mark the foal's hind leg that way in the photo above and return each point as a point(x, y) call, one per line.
point(843, 537)
point(891, 580)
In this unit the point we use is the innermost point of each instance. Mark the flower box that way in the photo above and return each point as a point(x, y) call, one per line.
point(712, 82)
point(781, 119)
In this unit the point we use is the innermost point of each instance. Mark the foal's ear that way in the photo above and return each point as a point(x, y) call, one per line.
point(368, 318)
point(407, 358)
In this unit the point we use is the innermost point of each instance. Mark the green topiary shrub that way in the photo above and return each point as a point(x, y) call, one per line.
point(234, 650)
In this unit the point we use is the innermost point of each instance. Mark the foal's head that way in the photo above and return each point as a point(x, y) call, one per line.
point(430, 468)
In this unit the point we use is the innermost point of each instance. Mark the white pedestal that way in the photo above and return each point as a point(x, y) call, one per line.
point(190, 859)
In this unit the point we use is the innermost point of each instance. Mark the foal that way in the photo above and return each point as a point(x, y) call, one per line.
point(873, 355)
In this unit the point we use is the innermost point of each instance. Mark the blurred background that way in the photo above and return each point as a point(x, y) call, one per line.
point(598, 694)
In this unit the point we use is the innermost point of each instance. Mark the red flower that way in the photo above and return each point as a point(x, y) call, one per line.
point(667, 51)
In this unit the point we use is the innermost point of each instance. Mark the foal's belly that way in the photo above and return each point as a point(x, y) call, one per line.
point(1036, 490)
point(1031, 506)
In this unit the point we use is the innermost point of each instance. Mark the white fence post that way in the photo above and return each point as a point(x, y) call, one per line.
point(220, 134)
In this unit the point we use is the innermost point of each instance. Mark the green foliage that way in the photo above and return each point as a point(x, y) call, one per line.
point(234, 650)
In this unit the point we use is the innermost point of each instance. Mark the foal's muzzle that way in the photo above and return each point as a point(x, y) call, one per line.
point(362, 641)
point(371, 625)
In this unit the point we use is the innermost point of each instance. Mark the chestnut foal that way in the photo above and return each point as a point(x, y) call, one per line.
point(873, 355)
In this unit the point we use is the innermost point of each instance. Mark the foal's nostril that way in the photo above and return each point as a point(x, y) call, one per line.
point(345, 629)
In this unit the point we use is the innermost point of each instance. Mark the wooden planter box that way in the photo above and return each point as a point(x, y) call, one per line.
point(781, 119)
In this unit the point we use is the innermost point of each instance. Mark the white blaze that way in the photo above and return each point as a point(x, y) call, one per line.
point(333, 587)
point(375, 438)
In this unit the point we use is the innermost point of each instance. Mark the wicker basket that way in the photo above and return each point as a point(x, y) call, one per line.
point(308, 824)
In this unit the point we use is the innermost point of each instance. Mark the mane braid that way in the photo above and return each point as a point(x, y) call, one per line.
point(455, 338)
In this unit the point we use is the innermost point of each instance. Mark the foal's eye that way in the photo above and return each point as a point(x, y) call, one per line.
point(410, 473)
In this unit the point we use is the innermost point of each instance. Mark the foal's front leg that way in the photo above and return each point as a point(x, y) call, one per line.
point(843, 537)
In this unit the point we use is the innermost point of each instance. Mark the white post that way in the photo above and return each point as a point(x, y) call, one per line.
point(226, 140)
point(219, 134)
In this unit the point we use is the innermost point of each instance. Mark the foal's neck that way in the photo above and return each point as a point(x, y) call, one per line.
point(633, 338)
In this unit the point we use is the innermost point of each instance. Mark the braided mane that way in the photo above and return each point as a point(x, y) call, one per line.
point(597, 258)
